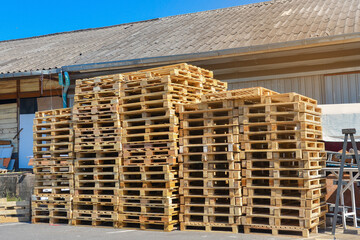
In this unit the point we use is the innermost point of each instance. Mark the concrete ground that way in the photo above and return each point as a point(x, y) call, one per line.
point(26, 231)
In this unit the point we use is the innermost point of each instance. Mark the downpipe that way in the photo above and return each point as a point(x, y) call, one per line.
point(66, 86)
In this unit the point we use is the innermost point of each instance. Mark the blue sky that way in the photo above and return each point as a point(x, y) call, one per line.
point(25, 18)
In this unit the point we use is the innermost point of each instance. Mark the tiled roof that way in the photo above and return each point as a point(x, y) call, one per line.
point(249, 25)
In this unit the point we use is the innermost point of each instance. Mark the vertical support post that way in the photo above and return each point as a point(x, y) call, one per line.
point(344, 210)
point(355, 150)
point(41, 85)
point(18, 122)
point(358, 165)
point(353, 203)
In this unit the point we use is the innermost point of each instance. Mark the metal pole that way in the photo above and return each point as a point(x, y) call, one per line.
point(355, 150)
point(353, 190)
point(336, 211)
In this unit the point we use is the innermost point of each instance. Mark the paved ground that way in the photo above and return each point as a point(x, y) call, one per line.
point(25, 231)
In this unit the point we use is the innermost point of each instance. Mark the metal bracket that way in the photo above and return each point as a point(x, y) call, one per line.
point(349, 131)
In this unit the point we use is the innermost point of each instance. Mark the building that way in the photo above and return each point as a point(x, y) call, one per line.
point(310, 47)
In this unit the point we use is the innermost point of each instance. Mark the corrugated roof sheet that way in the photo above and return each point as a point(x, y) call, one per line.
point(249, 25)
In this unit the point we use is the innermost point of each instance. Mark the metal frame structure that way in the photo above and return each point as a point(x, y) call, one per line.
point(347, 185)
point(340, 190)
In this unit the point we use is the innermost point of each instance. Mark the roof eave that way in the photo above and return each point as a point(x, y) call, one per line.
point(282, 46)
point(143, 62)
point(30, 73)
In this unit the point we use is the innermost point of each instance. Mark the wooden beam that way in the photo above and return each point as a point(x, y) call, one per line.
point(295, 69)
point(46, 93)
point(310, 62)
point(342, 73)
point(40, 85)
point(258, 60)
point(297, 74)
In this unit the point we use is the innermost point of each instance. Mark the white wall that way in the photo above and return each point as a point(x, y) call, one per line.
point(26, 139)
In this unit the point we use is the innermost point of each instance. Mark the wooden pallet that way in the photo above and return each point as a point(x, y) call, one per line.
point(292, 212)
point(284, 172)
point(101, 155)
point(136, 200)
point(53, 205)
point(90, 207)
point(143, 192)
point(111, 191)
point(51, 191)
point(98, 125)
point(112, 82)
point(217, 212)
point(54, 113)
point(245, 93)
point(151, 209)
point(288, 97)
point(300, 196)
point(101, 183)
point(163, 84)
point(93, 95)
point(53, 169)
point(149, 225)
point(99, 222)
point(265, 229)
point(94, 214)
point(90, 199)
point(148, 173)
point(11, 211)
point(209, 227)
point(278, 222)
point(64, 181)
point(284, 183)
point(52, 198)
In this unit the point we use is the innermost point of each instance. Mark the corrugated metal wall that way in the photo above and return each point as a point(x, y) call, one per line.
point(311, 86)
point(342, 88)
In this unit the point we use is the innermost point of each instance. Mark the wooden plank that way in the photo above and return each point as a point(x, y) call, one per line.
point(29, 85)
point(8, 122)
point(50, 84)
point(7, 86)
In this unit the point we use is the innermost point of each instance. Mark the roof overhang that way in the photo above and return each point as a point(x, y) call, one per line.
point(226, 53)
point(194, 57)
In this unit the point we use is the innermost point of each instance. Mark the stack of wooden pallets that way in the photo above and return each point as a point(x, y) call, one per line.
point(210, 166)
point(53, 167)
point(98, 151)
point(14, 211)
point(284, 185)
point(149, 176)
point(281, 159)
point(170, 145)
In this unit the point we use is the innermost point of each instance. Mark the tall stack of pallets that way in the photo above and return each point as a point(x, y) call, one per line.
point(98, 151)
point(210, 159)
point(53, 167)
point(284, 185)
point(149, 176)
point(210, 166)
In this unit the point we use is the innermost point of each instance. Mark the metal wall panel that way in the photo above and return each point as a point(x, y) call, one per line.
point(311, 86)
point(342, 88)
